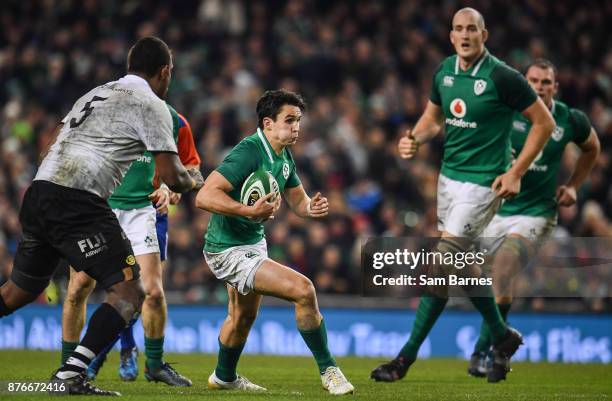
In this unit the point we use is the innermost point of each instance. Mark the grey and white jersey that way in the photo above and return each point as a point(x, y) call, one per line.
point(106, 130)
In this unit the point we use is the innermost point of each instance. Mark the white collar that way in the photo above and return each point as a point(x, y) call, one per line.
point(136, 80)
point(265, 143)
point(483, 56)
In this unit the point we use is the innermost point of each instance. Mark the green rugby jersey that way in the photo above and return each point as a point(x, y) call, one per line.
point(137, 184)
point(251, 154)
point(539, 184)
point(478, 105)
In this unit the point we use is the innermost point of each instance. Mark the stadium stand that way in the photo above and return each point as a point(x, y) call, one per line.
point(364, 68)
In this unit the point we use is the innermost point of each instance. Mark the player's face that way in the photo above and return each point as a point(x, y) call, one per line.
point(542, 81)
point(468, 36)
point(286, 128)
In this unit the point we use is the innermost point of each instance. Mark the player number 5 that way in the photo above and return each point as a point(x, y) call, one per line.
point(87, 109)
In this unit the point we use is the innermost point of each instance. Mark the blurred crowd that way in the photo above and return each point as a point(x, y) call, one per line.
point(365, 69)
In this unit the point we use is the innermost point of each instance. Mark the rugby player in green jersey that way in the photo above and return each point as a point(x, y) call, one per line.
point(474, 96)
point(236, 251)
point(131, 203)
point(525, 221)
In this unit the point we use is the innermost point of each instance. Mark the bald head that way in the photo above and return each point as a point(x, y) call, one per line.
point(468, 36)
point(479, 19)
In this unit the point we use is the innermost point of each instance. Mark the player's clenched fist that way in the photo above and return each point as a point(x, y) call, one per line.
point(507, 185)
point(318, 206)
point(566, 195)
point(407, 146)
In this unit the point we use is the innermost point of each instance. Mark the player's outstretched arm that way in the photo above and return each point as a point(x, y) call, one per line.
point(589, 150)
point(174, 175)
point(509, 183)
point(428, 126)
point(303, 205)
point(214, 198)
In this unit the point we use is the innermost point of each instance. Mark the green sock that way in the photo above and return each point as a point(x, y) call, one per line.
point(430, 308)
point(67, 348)
point(316, 340)
point(490, 313)
point(484, 340)
point(154, 350)
point(227, 362)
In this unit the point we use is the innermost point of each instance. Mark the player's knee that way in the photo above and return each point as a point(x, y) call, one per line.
point(130, 307)
point(452, 245)
point(139, 296)
point(305, 292)
point(155, 297)
point(443, 266)
point(127, 297)
point(78, 292)
point(513, 249)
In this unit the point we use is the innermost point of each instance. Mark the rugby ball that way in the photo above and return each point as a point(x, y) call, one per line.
point(257, 185)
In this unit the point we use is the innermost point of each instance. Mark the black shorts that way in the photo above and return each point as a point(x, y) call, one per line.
point(60, 222)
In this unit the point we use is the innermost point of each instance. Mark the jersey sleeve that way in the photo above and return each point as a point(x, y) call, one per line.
point(513, 89)
point(434, 94)
point(186, 146)
point(580, 125)
point(176, 122)
point(293, 180)
point(239, 163)
point(156, 132)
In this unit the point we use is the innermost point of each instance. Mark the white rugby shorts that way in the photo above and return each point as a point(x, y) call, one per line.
point(536, 229)
point(237, 265)
point(465, 208)
point(139, 226)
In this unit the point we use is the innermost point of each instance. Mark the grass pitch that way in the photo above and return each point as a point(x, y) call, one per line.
point(295, 378)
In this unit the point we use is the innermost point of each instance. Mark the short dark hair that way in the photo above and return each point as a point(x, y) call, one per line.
point(271, 103)
point(148, 56)
point(543, 64)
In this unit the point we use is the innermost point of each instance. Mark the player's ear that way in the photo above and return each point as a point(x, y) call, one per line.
point(164, 72)
point(485, 35)
point(267, 122)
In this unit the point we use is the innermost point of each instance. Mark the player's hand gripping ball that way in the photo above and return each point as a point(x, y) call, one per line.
point(257, 185)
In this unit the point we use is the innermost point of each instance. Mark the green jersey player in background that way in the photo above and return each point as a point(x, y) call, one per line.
point(525, 221)
point(236, 250)
point(474, 96)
